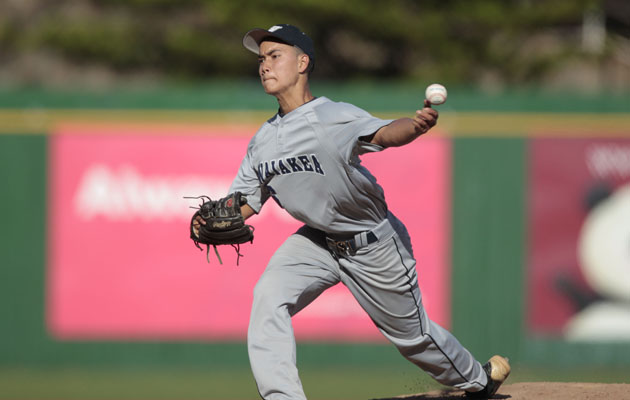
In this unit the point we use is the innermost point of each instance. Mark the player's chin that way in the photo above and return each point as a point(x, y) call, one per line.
point(270, 89)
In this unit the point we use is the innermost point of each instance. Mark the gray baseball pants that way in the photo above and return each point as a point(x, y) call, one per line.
point(382, 278)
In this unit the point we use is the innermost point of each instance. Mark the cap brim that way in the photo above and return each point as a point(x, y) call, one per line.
point(252, 39)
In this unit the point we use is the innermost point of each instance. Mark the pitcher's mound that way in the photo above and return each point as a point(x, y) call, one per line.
point(538, 390)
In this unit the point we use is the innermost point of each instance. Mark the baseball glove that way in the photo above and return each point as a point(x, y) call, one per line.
point(224, 224)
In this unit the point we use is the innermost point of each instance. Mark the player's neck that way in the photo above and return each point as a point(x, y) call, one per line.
point(289, 101)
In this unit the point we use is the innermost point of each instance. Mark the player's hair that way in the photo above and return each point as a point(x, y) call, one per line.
point(311, 62)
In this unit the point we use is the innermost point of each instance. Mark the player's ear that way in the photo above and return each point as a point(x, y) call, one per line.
point(303, 62)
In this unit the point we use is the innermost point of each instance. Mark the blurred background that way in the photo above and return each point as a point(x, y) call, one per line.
point(581, 45)
point(112, 111)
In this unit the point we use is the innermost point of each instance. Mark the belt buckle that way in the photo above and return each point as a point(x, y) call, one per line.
point(340, 247)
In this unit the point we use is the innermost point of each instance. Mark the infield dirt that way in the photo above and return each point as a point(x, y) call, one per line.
point(538, 390)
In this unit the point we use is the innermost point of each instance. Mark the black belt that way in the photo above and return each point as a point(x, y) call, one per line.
point(350, 246)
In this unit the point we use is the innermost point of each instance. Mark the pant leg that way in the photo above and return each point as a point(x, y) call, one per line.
point(299, 271)
point(383, 279)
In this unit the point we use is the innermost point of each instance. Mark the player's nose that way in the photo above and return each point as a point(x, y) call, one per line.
point(263, 66)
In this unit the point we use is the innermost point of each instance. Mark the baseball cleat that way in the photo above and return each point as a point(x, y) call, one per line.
point(497, 369)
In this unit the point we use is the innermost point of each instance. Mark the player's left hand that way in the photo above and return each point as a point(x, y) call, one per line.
point(425, 119)
point(196, 224)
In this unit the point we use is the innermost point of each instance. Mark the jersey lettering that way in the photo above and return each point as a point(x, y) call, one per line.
point(293, 164)
point(273, 167)
point(260, 173)
point(301, 163)
point(267, 173)
point(305, 162)
point(318, 166)
point(283, 169)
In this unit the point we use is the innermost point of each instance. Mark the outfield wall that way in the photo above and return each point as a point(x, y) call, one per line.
point(487, 280)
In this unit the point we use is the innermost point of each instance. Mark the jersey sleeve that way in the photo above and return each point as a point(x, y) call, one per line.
point(247, 182)
point(350, 125)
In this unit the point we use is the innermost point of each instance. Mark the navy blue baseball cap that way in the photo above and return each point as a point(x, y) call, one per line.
point(286, 33)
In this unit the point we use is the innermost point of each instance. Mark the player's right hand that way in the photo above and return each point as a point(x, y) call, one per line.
point(426, 118)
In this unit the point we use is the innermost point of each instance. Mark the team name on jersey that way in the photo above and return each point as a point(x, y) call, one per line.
point(290, 165)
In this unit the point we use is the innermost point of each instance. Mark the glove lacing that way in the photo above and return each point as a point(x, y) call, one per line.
point(236, 247)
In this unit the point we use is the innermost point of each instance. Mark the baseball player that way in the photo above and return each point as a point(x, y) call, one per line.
point(306, 158)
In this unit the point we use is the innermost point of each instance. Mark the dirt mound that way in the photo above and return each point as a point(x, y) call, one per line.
point(539, 390)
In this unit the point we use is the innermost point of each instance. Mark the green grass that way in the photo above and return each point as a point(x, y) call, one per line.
point(126, 384)
point(231, 384)
point(320, 383)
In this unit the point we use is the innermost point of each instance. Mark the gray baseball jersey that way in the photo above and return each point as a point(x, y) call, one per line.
point(315, 149)
point(308, 161)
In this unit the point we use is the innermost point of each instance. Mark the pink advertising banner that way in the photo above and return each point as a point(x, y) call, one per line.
point(122, 266)
point(579, 239)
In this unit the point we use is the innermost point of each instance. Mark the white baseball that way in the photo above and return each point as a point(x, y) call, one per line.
point(436, 94)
